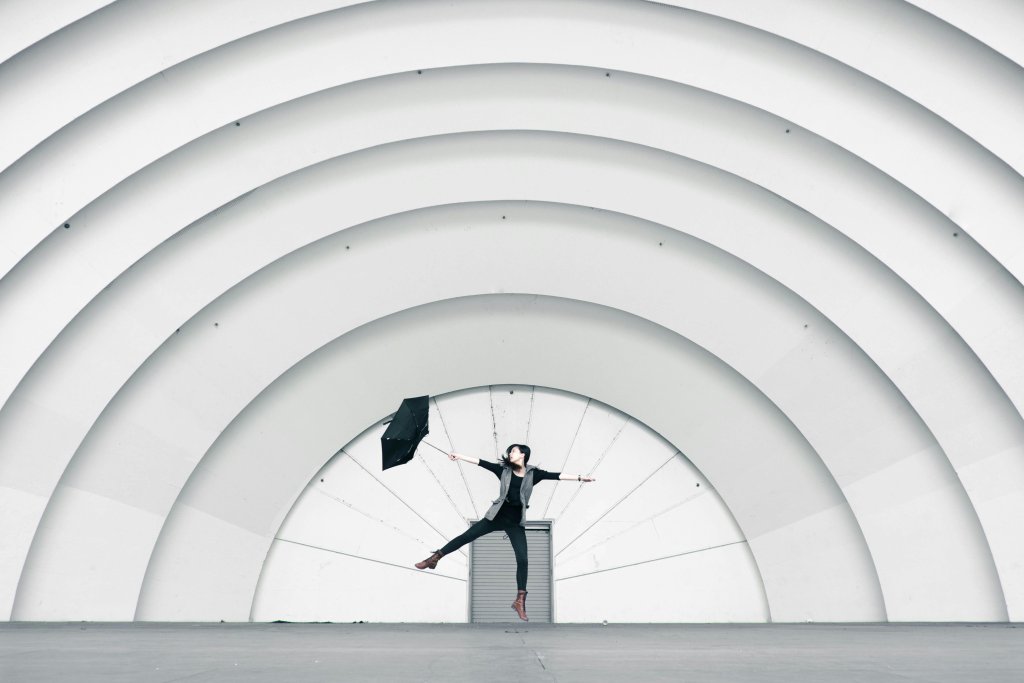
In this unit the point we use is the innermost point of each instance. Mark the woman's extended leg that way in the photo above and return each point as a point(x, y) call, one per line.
point(517, 537)
point(484, 526)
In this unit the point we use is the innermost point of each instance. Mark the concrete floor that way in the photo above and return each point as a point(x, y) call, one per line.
point(85, 652)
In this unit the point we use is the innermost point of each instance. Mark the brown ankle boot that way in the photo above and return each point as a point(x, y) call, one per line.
point(520, 605)
point(431, 561)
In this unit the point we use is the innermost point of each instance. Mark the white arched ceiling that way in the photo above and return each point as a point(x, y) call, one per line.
point(870, 191)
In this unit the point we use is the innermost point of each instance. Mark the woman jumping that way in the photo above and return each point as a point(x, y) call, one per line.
point(508, 511)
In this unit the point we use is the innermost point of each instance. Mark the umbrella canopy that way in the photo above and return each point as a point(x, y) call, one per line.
point(407, 429)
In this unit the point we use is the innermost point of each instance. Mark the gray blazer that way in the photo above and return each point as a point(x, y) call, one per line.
point(524, 492)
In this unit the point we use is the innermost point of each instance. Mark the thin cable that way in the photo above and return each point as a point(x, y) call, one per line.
point(369, 559)
point(369, 516)
point(455, 507)
point(529, 417)
point(399, 498)
point(600, 459)
point(566, 458)
point(622, 532)
point(656, 559)
point(494, 421)
point(458, 464)
point(619, 502)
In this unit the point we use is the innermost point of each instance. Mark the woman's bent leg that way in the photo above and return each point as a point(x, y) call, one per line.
point(484, 526)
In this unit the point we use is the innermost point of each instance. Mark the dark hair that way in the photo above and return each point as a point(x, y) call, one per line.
point(523, 448)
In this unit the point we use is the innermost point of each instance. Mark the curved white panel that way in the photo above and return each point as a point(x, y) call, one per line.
point(924, 59)
point(685, 398)
point(997, 23)
point(28, 21)
point(86, 62)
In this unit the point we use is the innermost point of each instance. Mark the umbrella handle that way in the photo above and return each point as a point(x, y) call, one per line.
point(434, 447)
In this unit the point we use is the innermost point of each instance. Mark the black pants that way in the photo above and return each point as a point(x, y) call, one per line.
point(516, 536)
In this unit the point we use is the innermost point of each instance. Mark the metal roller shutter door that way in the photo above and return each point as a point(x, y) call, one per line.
point(492, 580)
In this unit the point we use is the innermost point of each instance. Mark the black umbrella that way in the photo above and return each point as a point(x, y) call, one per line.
point(404, 433)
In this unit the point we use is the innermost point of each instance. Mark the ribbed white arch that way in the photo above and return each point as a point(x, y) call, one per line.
point(130, 209)
point(905, 55)
point(219, 87)
point(997, 23)
point(27, 22)
point(979, 91)
point(620, 158)
point(245, 528)
point(86, 62)
point(972, 292)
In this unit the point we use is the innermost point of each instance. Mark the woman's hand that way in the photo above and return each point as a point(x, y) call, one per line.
point(454, 456)
point(585, 478)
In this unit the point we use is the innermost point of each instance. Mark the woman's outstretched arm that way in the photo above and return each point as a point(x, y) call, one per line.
point(565, 476)
point(457, 456)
